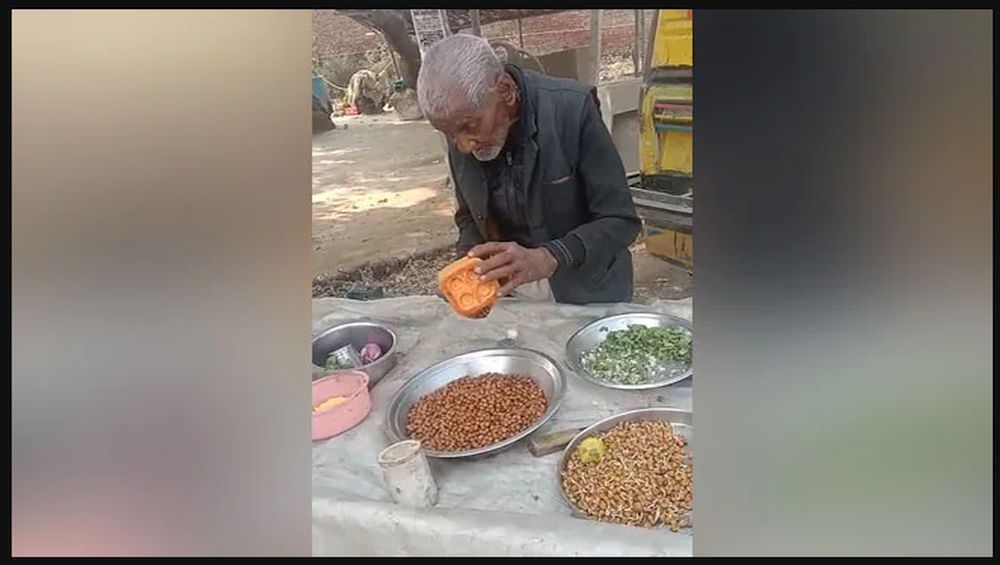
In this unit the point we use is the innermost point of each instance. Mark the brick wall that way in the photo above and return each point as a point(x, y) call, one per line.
point(338, 36)
point(552, 33)
point(335, 35)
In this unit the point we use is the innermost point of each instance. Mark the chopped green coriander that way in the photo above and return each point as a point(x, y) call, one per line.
point(635, 355)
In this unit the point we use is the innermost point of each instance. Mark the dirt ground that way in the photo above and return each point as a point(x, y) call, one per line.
point(379, 191)
point(382, 214)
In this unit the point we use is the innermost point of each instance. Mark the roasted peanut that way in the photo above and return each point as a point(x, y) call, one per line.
point(474, 412)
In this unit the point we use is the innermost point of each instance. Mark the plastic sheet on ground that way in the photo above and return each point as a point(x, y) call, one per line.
point(507, 504)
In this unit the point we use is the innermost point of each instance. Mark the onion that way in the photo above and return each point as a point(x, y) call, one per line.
point(370, 352)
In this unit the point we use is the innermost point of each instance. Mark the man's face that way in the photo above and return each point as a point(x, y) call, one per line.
point(482, 132)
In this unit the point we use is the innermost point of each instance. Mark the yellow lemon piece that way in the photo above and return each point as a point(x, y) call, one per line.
point(328, 404)
point(591, 450)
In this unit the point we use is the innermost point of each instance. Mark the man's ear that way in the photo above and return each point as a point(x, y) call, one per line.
point(507, 89)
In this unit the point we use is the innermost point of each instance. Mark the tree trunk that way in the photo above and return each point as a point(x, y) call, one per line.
point(393, 25)
point(396, 27)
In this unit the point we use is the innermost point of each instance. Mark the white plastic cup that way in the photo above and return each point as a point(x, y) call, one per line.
point(407, 474)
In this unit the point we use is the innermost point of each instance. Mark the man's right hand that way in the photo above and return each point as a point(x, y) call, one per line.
point(511, 261)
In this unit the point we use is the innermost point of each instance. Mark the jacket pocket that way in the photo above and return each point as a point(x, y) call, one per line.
point(557, 172)
point(601, 275)
point(563, 201)
point(565, 179)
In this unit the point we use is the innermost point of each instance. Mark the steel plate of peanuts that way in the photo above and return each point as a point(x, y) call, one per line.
point(541, 368)
point(594, 333)
point(679, 420)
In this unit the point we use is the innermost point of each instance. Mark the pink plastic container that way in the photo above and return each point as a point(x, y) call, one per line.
point(340, 418)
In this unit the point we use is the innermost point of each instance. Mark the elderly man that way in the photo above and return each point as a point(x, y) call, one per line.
point(541, 189)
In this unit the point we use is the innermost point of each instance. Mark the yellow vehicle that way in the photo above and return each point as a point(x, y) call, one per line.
point(663, 192)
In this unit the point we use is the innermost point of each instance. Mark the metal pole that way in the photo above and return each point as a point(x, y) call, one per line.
point(392, 55)
point(635, 44)
point(476, 28)
point(444, 22)
point(520, 30)
point(649, 42)
point(642, 41)
point(595, 44)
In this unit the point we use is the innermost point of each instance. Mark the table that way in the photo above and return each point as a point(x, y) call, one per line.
point(507, 504)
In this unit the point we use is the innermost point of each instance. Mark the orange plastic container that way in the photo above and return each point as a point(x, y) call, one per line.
point(469, 296)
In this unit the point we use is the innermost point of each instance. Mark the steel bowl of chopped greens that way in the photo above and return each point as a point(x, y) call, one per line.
point(635, 351)
point(374, 345)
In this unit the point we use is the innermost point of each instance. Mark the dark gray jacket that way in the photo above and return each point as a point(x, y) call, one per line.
point(579, 204)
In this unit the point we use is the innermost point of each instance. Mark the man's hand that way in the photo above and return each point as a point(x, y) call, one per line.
point(508, 260)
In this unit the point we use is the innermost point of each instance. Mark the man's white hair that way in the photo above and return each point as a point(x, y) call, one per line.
point(459, 68)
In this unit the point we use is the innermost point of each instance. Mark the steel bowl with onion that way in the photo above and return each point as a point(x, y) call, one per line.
point(357, 334)
point(679, 420)
point(540, 367)
point(593, 334)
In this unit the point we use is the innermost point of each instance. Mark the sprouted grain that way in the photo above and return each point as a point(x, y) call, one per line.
point(644, 478)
